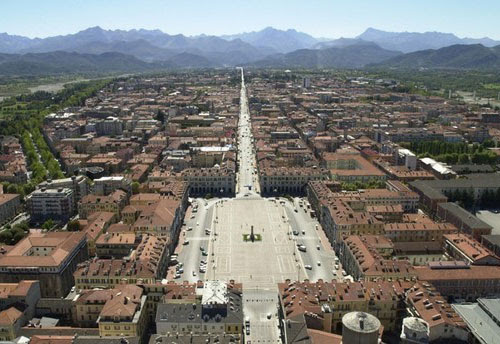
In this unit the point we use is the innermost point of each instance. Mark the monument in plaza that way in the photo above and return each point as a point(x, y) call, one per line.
point(252, 236)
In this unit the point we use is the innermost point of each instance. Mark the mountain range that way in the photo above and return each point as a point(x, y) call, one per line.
point(458, 56)
point(99, 50)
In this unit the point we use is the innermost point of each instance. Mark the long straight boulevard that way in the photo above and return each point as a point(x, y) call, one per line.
point(215, 241)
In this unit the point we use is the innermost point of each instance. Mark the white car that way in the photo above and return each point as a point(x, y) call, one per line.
point(194, 273)
point(308, 267)
point(186, 242)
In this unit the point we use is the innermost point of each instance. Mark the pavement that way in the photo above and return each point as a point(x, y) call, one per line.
point(261, 308)
point(260, 264)
point(191, 255)
point(319, 254)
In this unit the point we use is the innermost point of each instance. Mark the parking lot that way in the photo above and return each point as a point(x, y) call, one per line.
point(193, 232)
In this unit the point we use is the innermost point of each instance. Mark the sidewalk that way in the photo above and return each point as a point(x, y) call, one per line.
point(324, 240)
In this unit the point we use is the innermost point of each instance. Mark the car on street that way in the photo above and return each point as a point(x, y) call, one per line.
point(336, 266)
point(194, 273)
point(319, 263)
point(308, 267)
point(303, 248)
point(190, 229)
point(318, 247)
point(344, 273)
point(269, 315)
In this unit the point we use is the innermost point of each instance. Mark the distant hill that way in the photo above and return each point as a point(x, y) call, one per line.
point(458, 56)
point(341, 42)
point(414, 41)
point(187, 60)
point(148, 45)
point(279, 40)
point(140, 48)
point(60, 62)
point(350, 56)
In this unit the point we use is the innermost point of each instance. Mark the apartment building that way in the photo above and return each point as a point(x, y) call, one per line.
point(10, 205)
point(339, 219)
point(323, 304)
point(80, 186)
point(288, 180)
point(124, 316)
point(55, 204)
point(465, 221)
point(216, 181)
point(117, 245)
point(220, 312)
point(17, 306)
point(109, 126)
point(51, 258)
point(425, 302)
point(419, 231)
point(94, 226)
point(145, 265)
point(107, 185)
point(88, 304)
point(350, 166)
point(460, 281)
point(362, 261)
point(112, 203)
point(463, 247)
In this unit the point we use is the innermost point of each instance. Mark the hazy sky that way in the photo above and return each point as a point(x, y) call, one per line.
point(320, 18)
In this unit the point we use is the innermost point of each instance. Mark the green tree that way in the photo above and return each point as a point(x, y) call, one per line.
point(135, 187)
point(49, 224)
point(73, 226)
point(6, 237)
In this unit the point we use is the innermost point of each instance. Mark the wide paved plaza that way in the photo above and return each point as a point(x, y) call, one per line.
point(260, 264)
